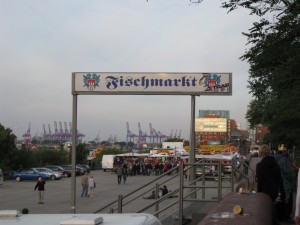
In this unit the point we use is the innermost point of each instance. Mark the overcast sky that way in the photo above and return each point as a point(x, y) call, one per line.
point(42, 42)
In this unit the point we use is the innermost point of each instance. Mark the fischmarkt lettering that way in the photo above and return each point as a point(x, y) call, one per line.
point(152, 83)
point(113, 82)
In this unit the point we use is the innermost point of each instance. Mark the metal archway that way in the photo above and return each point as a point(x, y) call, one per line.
point(110, 83)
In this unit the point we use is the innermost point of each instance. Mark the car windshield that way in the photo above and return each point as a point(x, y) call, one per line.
point(44, 170)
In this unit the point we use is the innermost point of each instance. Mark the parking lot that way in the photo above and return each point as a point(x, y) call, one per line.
point(18, 195)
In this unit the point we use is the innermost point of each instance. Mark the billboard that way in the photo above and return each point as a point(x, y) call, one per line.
point(109, 83)
point(220, 113)
point(211, 125)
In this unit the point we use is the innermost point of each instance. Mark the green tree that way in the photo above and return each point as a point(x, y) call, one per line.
point(274, 57)
point(81, 153)
point(24, 158)
point(174, 140)
point(122, 144)
point(130, 145)
point(7, 148)
point(47, 156)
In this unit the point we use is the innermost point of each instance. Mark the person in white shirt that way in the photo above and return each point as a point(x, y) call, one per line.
point(92, 185)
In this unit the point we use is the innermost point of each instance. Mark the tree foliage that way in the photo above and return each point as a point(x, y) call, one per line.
point(7, 147)
point(274, 58)
point(12, 158)
point(81, 153)
point(173, 140)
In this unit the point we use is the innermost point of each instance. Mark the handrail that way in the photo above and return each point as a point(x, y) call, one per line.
point(159, 200)
point(140, 188)
point(117, 205)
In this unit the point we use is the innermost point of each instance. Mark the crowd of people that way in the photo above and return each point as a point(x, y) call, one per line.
point(275, 177)
point(147, 167)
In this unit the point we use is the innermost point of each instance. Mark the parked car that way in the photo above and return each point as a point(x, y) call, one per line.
point(53, 175)
point(86, 167)
point(254, 151)
point(81, 169)
point(69, 168)
point(66, 173)
point(29, 174)
point(210, 174)
point(226, 167)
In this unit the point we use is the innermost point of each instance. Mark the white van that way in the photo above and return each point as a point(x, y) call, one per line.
point(108, 162)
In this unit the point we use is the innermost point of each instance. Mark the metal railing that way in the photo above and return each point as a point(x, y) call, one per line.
point(188, 191)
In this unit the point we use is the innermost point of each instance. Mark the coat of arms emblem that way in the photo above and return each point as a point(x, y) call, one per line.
point(91, 81)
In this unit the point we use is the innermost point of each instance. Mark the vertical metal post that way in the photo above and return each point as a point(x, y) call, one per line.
point(180, 216)
point(73, 174)
point(203, 180)
point(156, 197)
point(233, 172)
point(219, 181)
point(192, 172)
point(120, 202)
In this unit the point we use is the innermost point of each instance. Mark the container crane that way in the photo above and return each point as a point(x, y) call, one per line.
point(66, 127)
point(130, 135)
point(50, 133)
point(142, 136)
point(156, 135)
point(27, 136)
point(171, 135)
point(45, 133)
point(55, 131)
point(179, 135)
point(152, 134)
point(70, 127)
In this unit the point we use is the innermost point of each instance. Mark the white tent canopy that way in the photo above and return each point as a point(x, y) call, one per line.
point(134, 154)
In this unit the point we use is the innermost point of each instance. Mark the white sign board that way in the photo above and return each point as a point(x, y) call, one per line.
point(98, 83)
point(172, 144)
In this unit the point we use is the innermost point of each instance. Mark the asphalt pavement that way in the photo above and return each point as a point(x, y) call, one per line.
point(19, 195)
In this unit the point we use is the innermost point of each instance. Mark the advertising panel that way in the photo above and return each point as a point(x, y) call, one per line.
point(90, 83)
point(211, 125)
point(217, 149)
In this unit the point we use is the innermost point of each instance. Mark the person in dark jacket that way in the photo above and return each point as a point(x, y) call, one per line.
point(40, 186)
point(164, 190)
point(286, 170)
point(268, 176)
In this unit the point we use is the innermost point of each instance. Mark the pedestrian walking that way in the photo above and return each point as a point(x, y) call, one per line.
point(124, 172)
point(84, 184)
point(40, 186)
point(269, 179)
point(286, 170)
point(91, 185)
point(119, 174)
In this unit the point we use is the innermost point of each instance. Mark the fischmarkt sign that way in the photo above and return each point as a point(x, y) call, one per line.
point(97, 83)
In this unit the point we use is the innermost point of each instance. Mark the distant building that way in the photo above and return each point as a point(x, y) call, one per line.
point(260, 132)
point(239, 135)
point(213, 126)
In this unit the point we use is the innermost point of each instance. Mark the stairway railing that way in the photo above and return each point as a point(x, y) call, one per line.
point(187, 191)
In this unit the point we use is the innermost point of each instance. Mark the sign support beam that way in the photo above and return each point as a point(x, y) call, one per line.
point(192, 172)
point(73, 174)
